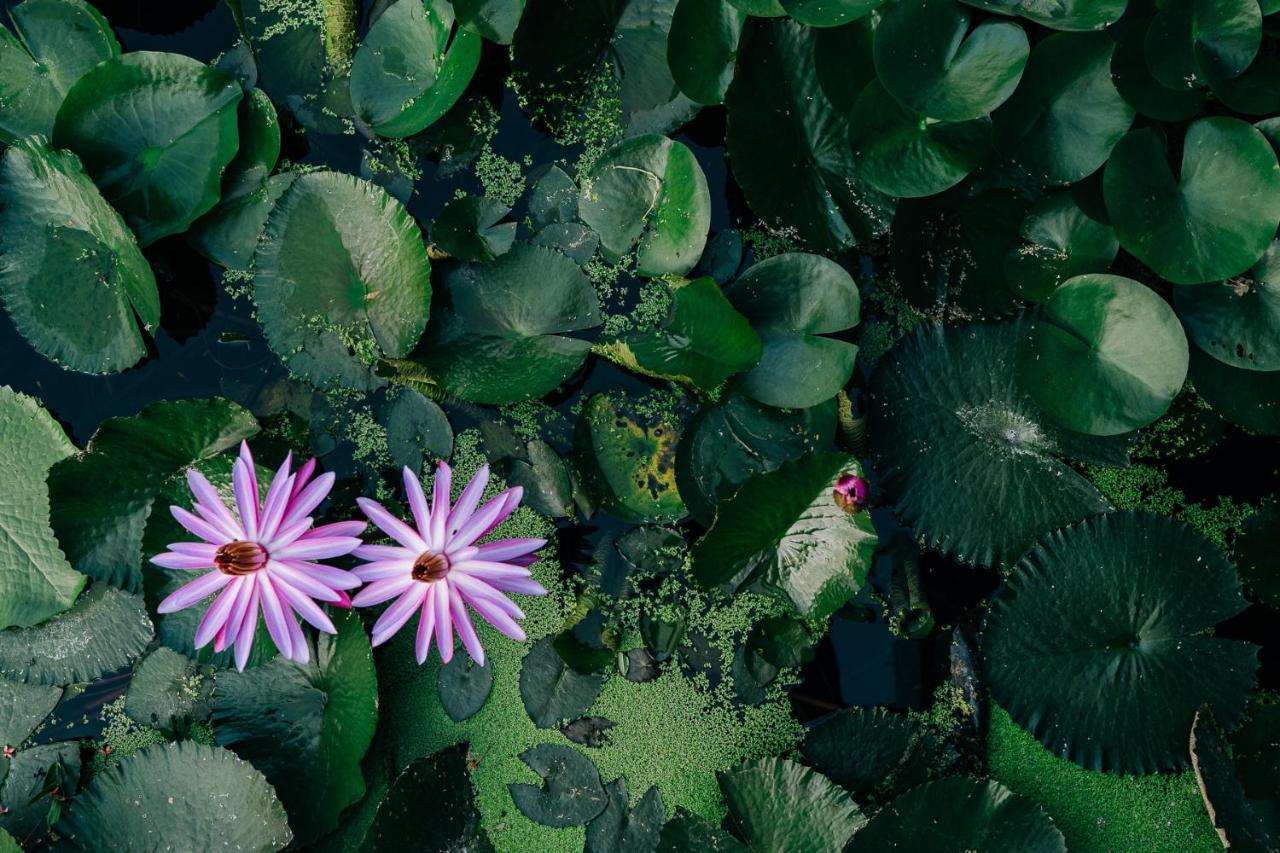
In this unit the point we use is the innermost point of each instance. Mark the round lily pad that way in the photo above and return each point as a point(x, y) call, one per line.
point(571, 793)
point(1135, 82)
point(863, 749)
point(902, 153)
point(155, 131)
point(443, 780)
point(1099, 642)
point(1073, 15)
point(187, 794)
point(259, 151)
point(929, 58)
point(228, 235)
point(500, 334)
point(464, 686)
point(471, 229)
point(63, 244)
point(168, 691)
point(1191, 40)
point(1237, 321)
point(341, 279)
point(1106, 356)
point(961, 813)
point(1212, 219)
point(496, 20)
point(775, 804)
point(1246, 398)
point(649, 193)
point(623, 829)
point(1058, 241)
point(703, 46)
point(946, 408)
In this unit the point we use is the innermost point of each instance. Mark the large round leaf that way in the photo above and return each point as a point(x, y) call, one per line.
point(1247, 398)
point(947, 409)
point(960, 814)
point(794, 301)
point(649, 193)
point(775, 804)
point(105, 630)
point(702, 47)
point(184, 796)
point(1237, 321)
point(929, 59)
point(902, 153)
point(155, 130)
point(1058, 241)
point(1075, 15)
point(786, 533)
point(1106, 356)
point(1191, 40)
point(63, 245)
point(627, 463)
point(1211, 220)
point(789, 144)
point(499, 334)
point(341, 278)
point(299, 724)
point(1066, 115)
point(1099, 644)
point(36, 581)
point(53, 44)
point(412, 67)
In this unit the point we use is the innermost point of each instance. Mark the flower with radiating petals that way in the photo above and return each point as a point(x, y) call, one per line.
point(263, 559)
point(438, 569)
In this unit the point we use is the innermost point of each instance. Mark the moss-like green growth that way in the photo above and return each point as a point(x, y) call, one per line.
point(1143, 487)
point(1101, 812)
point(121, 736)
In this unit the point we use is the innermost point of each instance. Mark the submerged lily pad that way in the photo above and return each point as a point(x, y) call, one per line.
point(63, 244)
point(341, 279)
point(775, 804)
point(187, 794)
point(155, 131)
point(1237, 321)
point(1098, 644)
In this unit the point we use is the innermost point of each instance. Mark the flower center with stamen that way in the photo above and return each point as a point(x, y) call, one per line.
point(240, 558)
point(430, 567)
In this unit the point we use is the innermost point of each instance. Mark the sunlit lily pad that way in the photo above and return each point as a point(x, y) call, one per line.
point(1099, 645)
point(1237, 321)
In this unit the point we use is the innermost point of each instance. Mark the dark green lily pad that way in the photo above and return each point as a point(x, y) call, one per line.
point(444, 781)
point(1239, 826)
point(105, 630)
point(1106, 356)
point(1210, 222)
point(299, 723)
point(1256, 549)
point(947, 408)
point(464, 685)
point(785, 533)
point(341, 279)
point(628, 462)
point(789, 143)
point(155, 131)
point(471, 229)
point(168, 691)
point(496, 20)
point(1074, 15)
point(863, 749)
point(22, 708)
point(64, 244)
point(702, 47)
point(1246, 398)
point(25, 785)
point(571, 793)
point(1192, 40)
point(228, 235)
point(1255, 751)
point(185, 793)
point(1058, 241)
point(648, 193)
point(499, 336)
point(554, 692)
point(1134, 80)
point(1098, 643)
point(775, 804)
point(623, 829)
point(687, 832)
point(1237, 321)
point(960, 813)
point(930, 59)
point(795, 301)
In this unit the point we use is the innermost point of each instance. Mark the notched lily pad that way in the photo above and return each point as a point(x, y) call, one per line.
point(628, 462)
point(571, 793)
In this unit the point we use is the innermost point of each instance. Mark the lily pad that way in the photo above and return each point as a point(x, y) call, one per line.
point(105, 630)
point(1256, 547)
point(703, 46)
point(103, 496)
point(496, 20)
point(187, 794)
point(688, 832)
point(1210, 221)
point(1134, 80)
point(623, 829)
point(1191, 40)
point(471, 229)
point(298, 724)
point(571, 793)
point(648, 193)
point(444, 781)
point(1237, 321)
point(702, 341)
point(862, 749)
point(53, 44)
point(228, 235)
point(168, 691)
point(628, 462)
point(1098, 644)
point(1107, 355)
point(933, 61)
point(552, 690)
point(775, 804)
point(905, 154)
point(1239, 826)
point(1246, 398)
point(22, 708)
point(341, 279)
point(947, 408)
point(463, 686)
point(795, 301)
point(960, 813)
point(64, 244)
point(1066, 115)
point(1058, 241)
point(26, 787)
point(785, 532)
point(1074, 15)
point(499, 335)
point(259, 151)
point(412, 67)
point(37, 581)
point(155, 131)
point(789, 143)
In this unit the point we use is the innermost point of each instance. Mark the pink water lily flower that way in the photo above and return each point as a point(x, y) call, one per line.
point(263, 559)
point(437, 569)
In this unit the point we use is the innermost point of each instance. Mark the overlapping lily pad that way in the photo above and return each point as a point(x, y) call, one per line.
point(1190, 41)
point(621, 828)
point(1081, 15)
point(1247, 398)
point(1099, 645)
point(1058, 241)
point(1256, 548)
point(865, 749)
point(1237, 321)
point(775, 804)
point(1239, 825)
point(554, 692)
point(471, 229)
point(702, 47)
